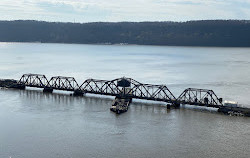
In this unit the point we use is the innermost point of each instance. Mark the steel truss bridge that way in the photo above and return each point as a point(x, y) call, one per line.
point(122, 88)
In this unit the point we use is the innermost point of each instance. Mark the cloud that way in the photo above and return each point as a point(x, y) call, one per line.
point(120, 10)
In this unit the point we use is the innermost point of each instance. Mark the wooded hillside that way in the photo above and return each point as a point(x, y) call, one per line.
point(231, 33)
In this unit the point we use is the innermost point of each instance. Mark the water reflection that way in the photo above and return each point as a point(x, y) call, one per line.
point(58, 102)
point(84, 126)
point(37, 100)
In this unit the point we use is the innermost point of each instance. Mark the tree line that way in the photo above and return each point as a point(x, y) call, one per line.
point(227, 33)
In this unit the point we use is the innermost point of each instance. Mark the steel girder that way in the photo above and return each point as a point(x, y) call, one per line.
point(64, 83)
point(34, 80)
point(136, 89)
point(201, 97)
point(124, 87)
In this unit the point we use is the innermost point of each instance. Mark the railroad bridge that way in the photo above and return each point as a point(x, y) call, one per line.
point(122, 88)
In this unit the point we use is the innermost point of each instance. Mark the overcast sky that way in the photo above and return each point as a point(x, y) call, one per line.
point(123, 10)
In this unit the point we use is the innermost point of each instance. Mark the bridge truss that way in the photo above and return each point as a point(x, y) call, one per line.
point(123, 87)
point(201, 97)
point(128, 87)
point(63, 83)
point(34, 80)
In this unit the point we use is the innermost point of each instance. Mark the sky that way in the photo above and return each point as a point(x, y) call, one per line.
point(123, 10)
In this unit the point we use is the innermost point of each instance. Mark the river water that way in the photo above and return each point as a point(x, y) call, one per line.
point(33, 124)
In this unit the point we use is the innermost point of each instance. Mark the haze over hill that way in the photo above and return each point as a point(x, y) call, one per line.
point(228, 33)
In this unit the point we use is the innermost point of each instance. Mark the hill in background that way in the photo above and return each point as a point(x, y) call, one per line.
point(228, 33)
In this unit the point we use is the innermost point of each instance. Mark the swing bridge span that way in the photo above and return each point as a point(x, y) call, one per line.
point(121, 88)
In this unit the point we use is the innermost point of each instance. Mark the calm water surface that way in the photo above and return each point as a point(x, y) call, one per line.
point(33, 124)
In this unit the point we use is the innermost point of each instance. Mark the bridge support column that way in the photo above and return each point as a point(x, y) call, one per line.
point(78, 93)
point(177, 105)
point(130, 100)
point(48, 90)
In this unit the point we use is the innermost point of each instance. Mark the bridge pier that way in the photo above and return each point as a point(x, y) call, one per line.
point(130, 100)
point(48, 90)
point(78, 93)
point(177, 105)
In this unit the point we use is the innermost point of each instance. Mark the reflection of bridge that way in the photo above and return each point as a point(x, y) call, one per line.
point(122, 88)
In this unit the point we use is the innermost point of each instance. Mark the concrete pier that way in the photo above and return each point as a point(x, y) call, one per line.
point(78, 93)
point(48, 90)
